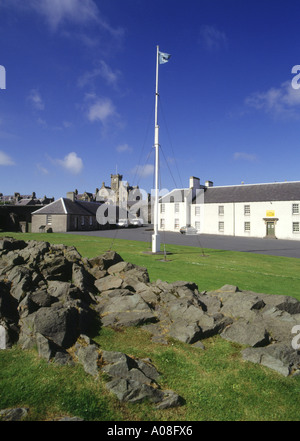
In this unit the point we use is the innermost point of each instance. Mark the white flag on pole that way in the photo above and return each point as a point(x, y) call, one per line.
point(163, 57)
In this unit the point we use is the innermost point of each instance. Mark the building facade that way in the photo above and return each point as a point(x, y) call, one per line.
point(257, 210)
point(65, 215)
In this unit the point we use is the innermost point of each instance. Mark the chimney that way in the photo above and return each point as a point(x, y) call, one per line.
point(209, 184)
point(71, 196)
point(194, 182)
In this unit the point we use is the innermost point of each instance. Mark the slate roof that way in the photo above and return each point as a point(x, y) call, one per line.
point(179, 195)
point(66, 206)
point(281, 191)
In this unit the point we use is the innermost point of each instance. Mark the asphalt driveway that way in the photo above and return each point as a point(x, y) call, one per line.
point(275, 247)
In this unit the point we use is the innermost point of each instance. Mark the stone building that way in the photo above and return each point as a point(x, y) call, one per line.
point(119, 192)
point(65, 215)
point(16, 209)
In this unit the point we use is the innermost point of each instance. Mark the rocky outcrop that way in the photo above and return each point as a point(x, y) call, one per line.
point(52, 298)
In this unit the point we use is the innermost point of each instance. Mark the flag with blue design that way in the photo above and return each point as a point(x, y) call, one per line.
point(163, 57)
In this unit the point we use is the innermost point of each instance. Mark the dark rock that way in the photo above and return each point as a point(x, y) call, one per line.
point(108, 282)
point(105, 261)
point(8, 304)
point(13, 414)
point(169, 399)
point(120, 267)
point(125, 309)
point(247, 333)
point(89, 356)
point(10, 244)
point(9, 333)
point(21, 282)
point(185, 332)
point(134, 380)
point(60, 324)
point(56, 267)
point(45, 347)
point(84, 281)
point(40, 299)
point(63, 358)
point(59, 289)
point(279, 357)
point(282, 303)
point(241, 304)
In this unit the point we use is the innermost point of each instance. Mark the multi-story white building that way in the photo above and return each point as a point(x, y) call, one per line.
point(256, 210)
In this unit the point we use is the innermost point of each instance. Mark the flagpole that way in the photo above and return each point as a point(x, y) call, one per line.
point(155, 236)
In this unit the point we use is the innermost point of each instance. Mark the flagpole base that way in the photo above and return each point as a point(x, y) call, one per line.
point(155, 243)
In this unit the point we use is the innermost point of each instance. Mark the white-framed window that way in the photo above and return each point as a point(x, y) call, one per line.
point(221, 227)
point(82, 220)
point(162, 208)
point(197, 211)
point(176, 223)
point(162, 224)
point(221, 210)
point(295, 208)
point(197, 225)
point(176, 207)
point(91, 221)
point(296, 227)
point(49, 219)
point(247, 226)
point(247, 210)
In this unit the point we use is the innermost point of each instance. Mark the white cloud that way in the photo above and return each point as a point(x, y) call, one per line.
point(42, 169)
point(35, 98)
point(101, 109)
point(71, 163)
point(5, 159)
point(123, 148)
point(244, 156)
point(282, 101)
point(143, 171)
point(108, 74)
point(104, 71)
point(212, 39)
point(58, 12)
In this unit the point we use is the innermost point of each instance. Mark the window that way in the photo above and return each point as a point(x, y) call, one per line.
point(91, 221)
point(247, 226)
point(176, 223)
point(221, 210)
point(295, 208)
point(162, 208)
point(197, 211)
point(82, 220)
point(247, 210)
point(49, 219)
point(176, 207)
point(197, 226)
point(221, 226)
point(162, 224)
point(296, 227)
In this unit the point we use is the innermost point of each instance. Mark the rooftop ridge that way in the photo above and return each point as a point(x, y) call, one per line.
point(248, 185)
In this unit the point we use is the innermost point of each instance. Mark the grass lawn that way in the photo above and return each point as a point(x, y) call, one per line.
point(216, 383)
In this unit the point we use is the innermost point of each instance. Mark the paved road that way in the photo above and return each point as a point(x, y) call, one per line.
point(275, 247)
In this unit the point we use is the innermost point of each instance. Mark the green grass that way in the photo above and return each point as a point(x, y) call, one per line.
point(216, 383)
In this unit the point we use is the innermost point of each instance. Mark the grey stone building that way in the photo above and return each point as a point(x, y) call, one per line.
point(65, 215)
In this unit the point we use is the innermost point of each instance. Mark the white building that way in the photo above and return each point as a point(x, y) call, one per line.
point(255, 210)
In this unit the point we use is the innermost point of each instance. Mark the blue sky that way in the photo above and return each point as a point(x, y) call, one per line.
point(80, 91)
